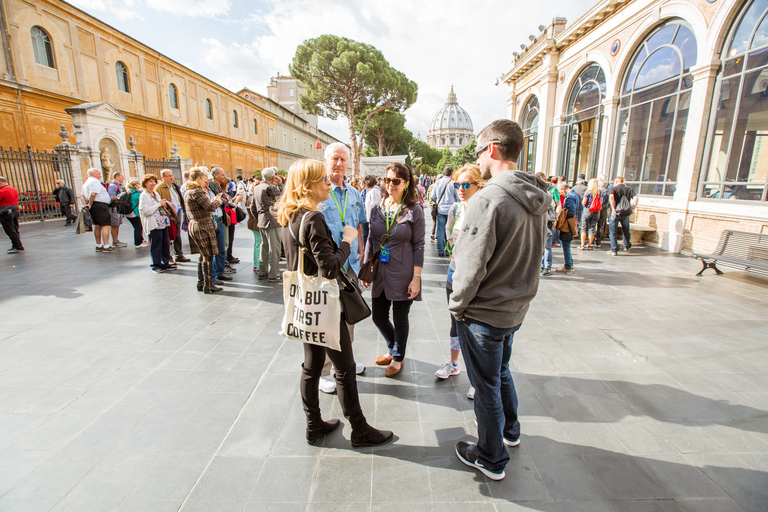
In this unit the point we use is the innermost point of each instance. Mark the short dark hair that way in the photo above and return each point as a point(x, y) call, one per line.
point(404, 172)
point(510, 137)
point(448, 171)
point(369, 180)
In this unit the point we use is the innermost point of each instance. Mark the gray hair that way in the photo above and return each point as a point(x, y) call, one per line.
point(330, 147)
point(216, 170)
point(162, 173)
point(3, 179)
point(92, 171)
point(268, 174)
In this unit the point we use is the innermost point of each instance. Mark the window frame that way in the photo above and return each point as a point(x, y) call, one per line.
point(123, 79)
point(235, 119)
point(46, 40)
point(173, 96)
point(208, 109)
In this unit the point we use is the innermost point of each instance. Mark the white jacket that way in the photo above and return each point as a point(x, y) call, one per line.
point(147, 208)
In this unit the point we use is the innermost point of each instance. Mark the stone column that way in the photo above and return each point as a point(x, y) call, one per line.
point(547, 105)
point(70, 155)
point(135, 160)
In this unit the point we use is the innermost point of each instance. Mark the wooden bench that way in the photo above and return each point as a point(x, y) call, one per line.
point(637, 232)
point(738, 249)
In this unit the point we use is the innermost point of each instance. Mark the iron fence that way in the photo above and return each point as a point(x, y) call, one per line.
point(34, 175)
point(155, 166)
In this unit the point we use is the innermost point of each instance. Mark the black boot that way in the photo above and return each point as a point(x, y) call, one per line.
point(200, 279)
point(362, 433)
point(208, 286)
point(316, 427)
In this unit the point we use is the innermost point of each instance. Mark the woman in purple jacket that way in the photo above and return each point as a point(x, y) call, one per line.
point(398, 279)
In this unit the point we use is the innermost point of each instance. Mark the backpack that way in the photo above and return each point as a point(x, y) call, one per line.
point(124, 204)
point(597, 204)
point(623, 208)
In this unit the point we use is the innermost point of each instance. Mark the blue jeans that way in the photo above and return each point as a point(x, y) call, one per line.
point(546, 260)
point(567, 253)
point(441, 221)
point(256, 248)
point(613, 224)
point(486, 350)
point(219, 260)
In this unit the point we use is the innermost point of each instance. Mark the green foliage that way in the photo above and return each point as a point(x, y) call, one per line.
point(463, 156)
point(386, 133)
point(351, 79)
point(429, 155)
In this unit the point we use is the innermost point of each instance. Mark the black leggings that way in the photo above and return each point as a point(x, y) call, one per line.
point(395, 335)
point(314, 355)
point(138, 236)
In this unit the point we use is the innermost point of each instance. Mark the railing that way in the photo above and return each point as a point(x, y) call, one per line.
point(34, 175)
point(155, 166)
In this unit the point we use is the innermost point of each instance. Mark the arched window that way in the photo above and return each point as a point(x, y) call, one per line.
point(122, 77)
point(653, 111)
point(41, 44)
point(255, 127)
point(173, 95)
point(586, 95)
point(208, 109)
point(530, 124)
point(234, 118)
point(737, 164)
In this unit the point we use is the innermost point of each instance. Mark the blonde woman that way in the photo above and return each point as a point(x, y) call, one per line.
point(202, 228)
point(306, 186)
point(589, 218)
point(468, 181)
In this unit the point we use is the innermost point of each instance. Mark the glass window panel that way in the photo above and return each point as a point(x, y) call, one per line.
point(655, 189)
point(683, 106)
point(686, 41)
point(659, 91)
point(662, 37)
point(635, 68)
point(173, 96)
point(747, 162)
point(740, 41)
point(661, 65)
point(733, 66)
point(669, 189)
point(590, 73)
point(657, 149)
point(588, 97)
point(757, 59)
point(622, 127)
point(637, 132)
point(726, 110)
point(761, 34)
point(711, 191)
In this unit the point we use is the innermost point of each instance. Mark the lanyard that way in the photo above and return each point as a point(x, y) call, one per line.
point(389, 221)
point(343, 213)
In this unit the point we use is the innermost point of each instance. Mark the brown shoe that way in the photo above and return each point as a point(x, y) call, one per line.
point(384, 360)
point(391, 371)
point(182, 259)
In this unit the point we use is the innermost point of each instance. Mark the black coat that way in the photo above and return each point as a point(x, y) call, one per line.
point(64, 195)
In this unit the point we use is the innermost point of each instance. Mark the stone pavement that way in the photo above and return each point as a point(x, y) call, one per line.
point(642, 388)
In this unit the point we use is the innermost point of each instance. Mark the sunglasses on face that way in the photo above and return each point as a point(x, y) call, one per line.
point(325, 179)
point(464, 185)
point(395, 181)
point(483, 147)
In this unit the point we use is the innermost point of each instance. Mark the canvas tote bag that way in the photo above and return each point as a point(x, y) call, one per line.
point(312, 306)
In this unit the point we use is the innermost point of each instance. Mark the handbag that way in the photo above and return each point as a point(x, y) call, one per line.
point(353, 305)
point(370, 267)
point(84, 221)
point(312, 305)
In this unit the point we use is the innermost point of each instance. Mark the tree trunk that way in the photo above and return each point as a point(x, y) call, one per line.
point(353, 140)
point(381, 142)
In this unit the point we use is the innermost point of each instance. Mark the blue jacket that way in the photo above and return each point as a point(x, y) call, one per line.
point(573, 203)
point(446, 199)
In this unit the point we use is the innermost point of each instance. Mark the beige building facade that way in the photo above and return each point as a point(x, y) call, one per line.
point(668, 94)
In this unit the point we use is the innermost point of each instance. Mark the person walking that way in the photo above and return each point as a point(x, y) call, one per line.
point(156, 224)
point(444, 196)
point(134, 190)
point(65, 197)
point(592, 206)
point(397, 233)
point(307, 186)
point(497, 275)
point(574, 208)
point(621, 210)
point(468, 182)
point(9, 215)
point(202, 226)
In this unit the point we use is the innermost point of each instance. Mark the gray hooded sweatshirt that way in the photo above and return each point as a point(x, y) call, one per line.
point(498, 252)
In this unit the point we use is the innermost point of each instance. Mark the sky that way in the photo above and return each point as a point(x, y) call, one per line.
point(436, 43)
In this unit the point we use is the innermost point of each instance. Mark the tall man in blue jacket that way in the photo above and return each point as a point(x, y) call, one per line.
point(444, 195)
point(498, 255)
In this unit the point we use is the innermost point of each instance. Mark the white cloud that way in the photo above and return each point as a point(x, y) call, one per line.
point(90, 5)
point(191, 7)
point(235, 66)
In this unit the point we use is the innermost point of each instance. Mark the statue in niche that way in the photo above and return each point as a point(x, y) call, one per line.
point(106, 162)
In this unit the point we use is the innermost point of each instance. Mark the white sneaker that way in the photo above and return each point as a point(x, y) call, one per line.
point(142, 245)
point(447, 370)
point(359, 367)
point(327, 384)
point(471, 394)
point(119, 244)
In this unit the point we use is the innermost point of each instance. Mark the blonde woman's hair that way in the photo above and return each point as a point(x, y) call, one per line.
point(593, 187)
point(475, 176)
point(299, 190)
point(133, 184)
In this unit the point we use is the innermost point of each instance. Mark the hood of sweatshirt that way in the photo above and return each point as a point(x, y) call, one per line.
point(527, 189)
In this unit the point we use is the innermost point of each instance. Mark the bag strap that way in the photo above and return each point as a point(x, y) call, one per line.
point(394, 224)
point(445, 189)
point(302, 249)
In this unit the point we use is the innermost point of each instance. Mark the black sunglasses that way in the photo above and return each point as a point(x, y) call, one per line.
point(482, 148)
point(396, 181)
point(464, 185)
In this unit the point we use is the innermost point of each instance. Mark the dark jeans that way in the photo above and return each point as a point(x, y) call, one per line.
point(11, 228)
point(395, 335)
point(66, 211)
point(487, 351)
point(601, 226)
point(231, 228)
point(138, 237)
point(219, 260)
point(441, 221)
point(178, 250)
point(613, 224)
point(159, 248)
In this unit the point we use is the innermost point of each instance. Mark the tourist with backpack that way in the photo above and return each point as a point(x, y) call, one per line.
point(114, 189)
point(593, 205)
point(128, 205)
point(623, 201)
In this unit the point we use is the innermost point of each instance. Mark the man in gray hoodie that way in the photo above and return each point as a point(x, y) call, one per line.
point(498, 256)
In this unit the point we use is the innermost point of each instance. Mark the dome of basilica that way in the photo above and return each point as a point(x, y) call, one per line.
point(451, 127)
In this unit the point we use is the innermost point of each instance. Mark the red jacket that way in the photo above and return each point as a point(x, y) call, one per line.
point(8, 196)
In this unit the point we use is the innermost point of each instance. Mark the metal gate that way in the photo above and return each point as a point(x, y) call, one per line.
point(155, 166)
point(34, 175)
